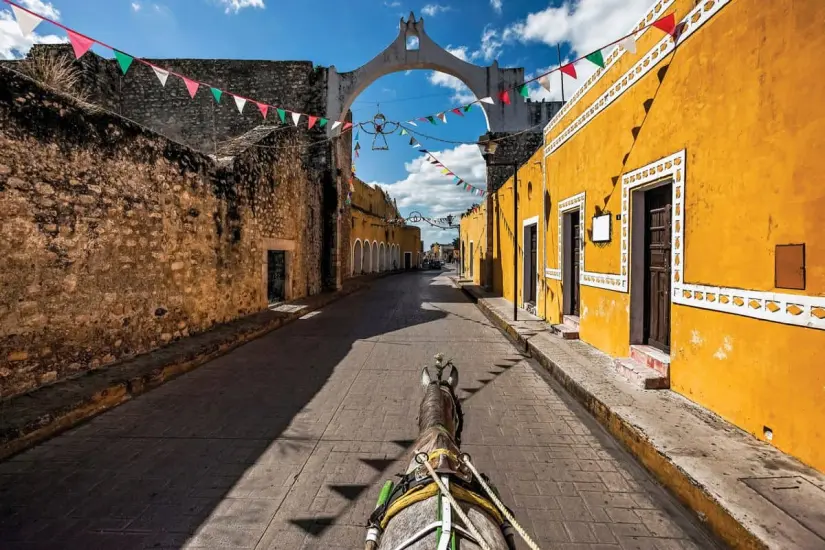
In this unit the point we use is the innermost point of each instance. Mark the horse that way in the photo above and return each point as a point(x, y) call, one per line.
point(416, 513)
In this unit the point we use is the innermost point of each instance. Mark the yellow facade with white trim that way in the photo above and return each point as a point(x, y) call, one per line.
point(732, 116)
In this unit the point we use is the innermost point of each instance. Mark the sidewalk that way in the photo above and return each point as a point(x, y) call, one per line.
point(748, 492)
point(28, 419)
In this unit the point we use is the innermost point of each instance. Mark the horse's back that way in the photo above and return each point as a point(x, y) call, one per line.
point(421, 514)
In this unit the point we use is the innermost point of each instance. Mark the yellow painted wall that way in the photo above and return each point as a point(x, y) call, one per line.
point(370, 208)
point(473, 233)
point(740, 96)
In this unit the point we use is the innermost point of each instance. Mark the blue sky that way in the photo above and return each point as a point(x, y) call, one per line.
point(347, 34)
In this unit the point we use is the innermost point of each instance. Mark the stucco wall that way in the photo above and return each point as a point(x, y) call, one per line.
point(736, 96)
point(116, 240)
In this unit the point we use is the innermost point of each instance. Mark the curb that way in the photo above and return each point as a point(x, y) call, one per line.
point(118, 391)
point(689, 492)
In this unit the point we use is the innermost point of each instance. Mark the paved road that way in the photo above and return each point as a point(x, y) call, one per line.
point(284, 443)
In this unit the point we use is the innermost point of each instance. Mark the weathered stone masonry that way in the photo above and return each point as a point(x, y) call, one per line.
point(116, 240)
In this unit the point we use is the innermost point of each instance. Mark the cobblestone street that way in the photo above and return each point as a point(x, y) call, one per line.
point(286, 441)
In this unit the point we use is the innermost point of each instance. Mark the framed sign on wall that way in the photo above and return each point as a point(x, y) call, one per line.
point(601, 228)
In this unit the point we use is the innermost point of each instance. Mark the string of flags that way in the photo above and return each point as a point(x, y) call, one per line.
point(666, 24)
point(444, 170)
point(28, 20)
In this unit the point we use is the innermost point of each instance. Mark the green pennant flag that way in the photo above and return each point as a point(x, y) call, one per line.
point(217, 94)
point(322, 123)
point(403, 132)
point(281, 114)
point(524, 91)
point(432, 119)
point(596, 57)
point(468, 107)
point(123, 60)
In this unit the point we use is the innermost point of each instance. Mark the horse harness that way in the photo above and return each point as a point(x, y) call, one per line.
point(417, 486)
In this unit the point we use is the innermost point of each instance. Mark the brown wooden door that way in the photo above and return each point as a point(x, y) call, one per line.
point(575, 253)
point(531, 283)
point(657, 267)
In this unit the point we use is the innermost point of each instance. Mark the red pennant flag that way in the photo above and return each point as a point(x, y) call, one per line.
point(423, 119)
point(504, 97)
point(311, 121)
point(263, 108)
point(457, 111)
point(191, 86)
point(569, 70)
point(80, 44)
point(666, 24)
point(347, 126)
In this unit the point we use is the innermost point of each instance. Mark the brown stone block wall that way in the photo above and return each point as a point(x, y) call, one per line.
point(116, 241)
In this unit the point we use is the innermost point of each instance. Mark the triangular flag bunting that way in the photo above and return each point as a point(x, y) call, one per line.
point(545, 82)
point(263, 108)
point(468, 107)
point(80, 43)
point(524, 91)
point(504, 97)
point(346, 127)
point(357, 146)
point(445, 171)
point(216, 93)
point(666, 24)
point(411, 122)
point(596, 58)
point(488, 100)
point(162, 74)
point(403, 132)
point(191, 86)
point(335, 124)
point(421, 150)
point(123, 60)
point(356, 154)
point(629, 43)
point(456, 179)
point(431, 118)
point(25, 20)
point(295, 118)
point(442, 117)
point(357, 136)
point(282, 115)
point(569, 70)
point(457, 111)
point(240, 102)
point(322, 123)
point(311, 121)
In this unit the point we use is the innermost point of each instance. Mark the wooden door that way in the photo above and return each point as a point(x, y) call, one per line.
point(657, 267)
point(575, 258)
point(276, 275)
point(407, 260)
point(531, 283)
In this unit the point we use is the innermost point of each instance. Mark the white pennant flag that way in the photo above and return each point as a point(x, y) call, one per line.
point(629, 43)
point(545, 82)
point(442, 117)
point(335, 124)
point(162, 75)
point(411, 122)
point(239, 102)
point(488, 100)
point(296, 117)
point(25, 20)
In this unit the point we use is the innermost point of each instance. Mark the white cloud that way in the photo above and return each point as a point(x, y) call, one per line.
point(136, 6)
point(238, 5)
point(13, 44)
point(432, 10)
point(491, 44)
point(435, 195)
point(496, 5)
point(394, 4)
point(462, 93)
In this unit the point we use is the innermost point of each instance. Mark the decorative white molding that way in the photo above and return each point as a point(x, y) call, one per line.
point(694, 20)
point(530, 221)
point(653, 13)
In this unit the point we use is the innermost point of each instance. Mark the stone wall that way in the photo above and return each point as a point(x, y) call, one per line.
point(116, 240)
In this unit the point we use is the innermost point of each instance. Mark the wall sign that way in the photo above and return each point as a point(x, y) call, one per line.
point(601, 228)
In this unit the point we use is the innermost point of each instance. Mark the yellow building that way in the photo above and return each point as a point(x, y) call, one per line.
point(682, 226)
point(376, 244)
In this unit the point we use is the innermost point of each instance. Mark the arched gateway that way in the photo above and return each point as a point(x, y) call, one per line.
point(343, 88)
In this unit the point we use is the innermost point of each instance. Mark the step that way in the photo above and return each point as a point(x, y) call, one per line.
point(640, 375)
point(652, 358)
point(572, 320)
point(566, 332)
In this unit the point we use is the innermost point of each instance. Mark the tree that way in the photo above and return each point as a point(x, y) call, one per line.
point(456, 243)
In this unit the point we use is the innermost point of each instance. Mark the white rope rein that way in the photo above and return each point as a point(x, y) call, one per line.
point(473, 529)
point(466, 459)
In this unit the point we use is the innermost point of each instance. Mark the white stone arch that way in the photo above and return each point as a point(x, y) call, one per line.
point(357, 257)
point(367, 261)
point(343, 88)
point(374, 262)
point(382, 257)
